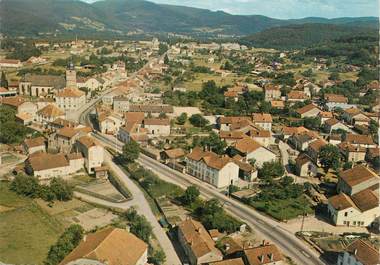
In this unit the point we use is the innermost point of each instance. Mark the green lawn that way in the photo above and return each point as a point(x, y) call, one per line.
point(26, 231)
point(284, 209)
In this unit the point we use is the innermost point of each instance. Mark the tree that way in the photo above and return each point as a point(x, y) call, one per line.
point(65, 244)
point(270, 170)
point(197, 120)
point(62, 190)
point(162, 115)
point(166, 59)
point(190, 195)
point(158, 257)
point(214, 143)
point(25, 185)
point(162, 48)
point(312, 123)
point(228, 66)
point(4, 81)
point(131, 151)
point(334, 76)
point(329, 157)
point(181, 119)
point(139, 226)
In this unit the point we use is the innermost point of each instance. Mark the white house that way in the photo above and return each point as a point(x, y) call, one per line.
point(70, 99)
point(211, 168)
point(34, 145)
point(157, 127)
point(110, 124)
point(93, 153)
point(252, 150)
point(48, 114)
point(264, 120)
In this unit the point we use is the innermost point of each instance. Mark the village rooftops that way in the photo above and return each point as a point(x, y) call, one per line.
point(246, 145)
point(50, 111)
point(344, 146)
point(175, 153)
point(296, 95)
point(57, 82)
point(87, 141)
point(151, 108)
point(302, 159)
point(357, 175)
point(197, 237)
point(341, 202)
point(134, 117)
point(359, 139)
point(233, 119)
point(335, 98)
point(237, 261)
point(12, 101)
point(44, 161)
point(317, 144)
point(210, 159)
point(306, 108)
point(156, 121)
point(70, 93)
point(263, 255)
point(364, 252)
point(262, 117)
point(232, 135)
point(364, 200)
point(112, 246)
point(352, 111)
point(9, 61)
point(34, 142)
point(325, 114)
point(268, 87)
point(293, 130)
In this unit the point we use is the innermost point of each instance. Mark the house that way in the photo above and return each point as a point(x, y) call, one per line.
point(247, 172)
point(236, 261)
point(91, 83)
point(325, 115)
point(172, 155)
point(7, 93)
point(121, 104)
point(314, 149)
point(110, 123)
point(360, 140)
point(355, 116)
point(233, 95)
point(252, 150)
point(111, 246)
point(352, 153)
point(20, 105)
point(305, 166)
point(157, 127)
point(272, 92)
point(231, 136)
point(360, 209)
point(356, 179)
point(334, 125)
point(226, 123)
point(263, 137)
point(301, 141)
point(33, 145)
point(335, 139)
point(277, 104)
point(309, 110)
point(219, 171)
point(63, 139)
point(10, 63)
point(359, 252)
point(266, 254)
point(48, 114)
point(197, 243)
point(92, 152)
point(264, 120)
point(295, 96)
point(154, 110)
point(70, 99)
point(45, 166)
point(287, 132)
point(40, 85)
point(133, 131)
point(334, 101)
point(134, 117)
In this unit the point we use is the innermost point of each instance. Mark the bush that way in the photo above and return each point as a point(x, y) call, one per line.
point(65, 244)
point(139, 225)
point(131, 151)
point(25, 186)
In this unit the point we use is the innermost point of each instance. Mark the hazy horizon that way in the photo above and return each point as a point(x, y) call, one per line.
point(283, 9)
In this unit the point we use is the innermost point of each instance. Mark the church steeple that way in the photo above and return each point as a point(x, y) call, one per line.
point(71, 76)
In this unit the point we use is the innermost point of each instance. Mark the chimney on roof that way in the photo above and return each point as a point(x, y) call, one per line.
point(263, 244)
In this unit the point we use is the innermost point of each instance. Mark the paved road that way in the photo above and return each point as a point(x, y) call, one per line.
point(268, 228)
point(142, 206)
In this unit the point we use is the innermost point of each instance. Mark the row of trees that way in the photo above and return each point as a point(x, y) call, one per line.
point(28, 186)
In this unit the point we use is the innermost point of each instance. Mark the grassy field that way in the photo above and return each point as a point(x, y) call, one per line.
point(201, 78)
point(284, 209)
point(26, 231)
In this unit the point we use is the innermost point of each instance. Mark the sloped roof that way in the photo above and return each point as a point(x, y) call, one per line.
point(33, 142)
point(265, 252)
point(341, 202)
point(54, 81)
point(113, 246)
point(306, 108)
point(50, 110)
point(209, 158)
point(44, 161)
point(364, 252)
point(237, 261)
point(359, 139)
point(262, 117)
point(246, 145)
point(366, 200)
point(70, 93)
point(197, 237)
point(357, 175)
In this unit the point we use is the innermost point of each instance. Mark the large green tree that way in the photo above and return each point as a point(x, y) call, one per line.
point(131, 151)
point(190, 195)
point(330, 157)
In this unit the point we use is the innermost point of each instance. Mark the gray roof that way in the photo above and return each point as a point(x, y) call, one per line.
point(57, 82)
